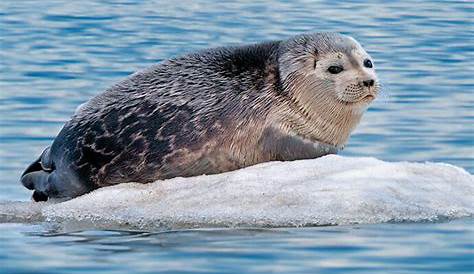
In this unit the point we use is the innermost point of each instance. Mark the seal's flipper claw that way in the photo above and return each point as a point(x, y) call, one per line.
point(39, 196)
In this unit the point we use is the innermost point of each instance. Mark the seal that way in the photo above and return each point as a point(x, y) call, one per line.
point(212, 111)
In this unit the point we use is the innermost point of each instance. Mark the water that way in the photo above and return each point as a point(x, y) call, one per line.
point(387, 248)
point(56, 54)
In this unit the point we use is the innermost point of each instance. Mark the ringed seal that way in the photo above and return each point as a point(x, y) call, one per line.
point(212, 111)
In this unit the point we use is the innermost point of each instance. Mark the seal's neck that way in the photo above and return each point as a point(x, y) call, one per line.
point(320, 120)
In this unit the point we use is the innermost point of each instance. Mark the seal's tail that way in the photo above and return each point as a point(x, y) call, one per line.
point(39, 176)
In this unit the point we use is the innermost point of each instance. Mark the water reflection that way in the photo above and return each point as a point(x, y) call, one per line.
point(389, 248)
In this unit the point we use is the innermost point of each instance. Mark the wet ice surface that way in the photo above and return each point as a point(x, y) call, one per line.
point(332, 190)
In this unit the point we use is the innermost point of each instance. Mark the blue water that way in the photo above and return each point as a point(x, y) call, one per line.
point(57, 54)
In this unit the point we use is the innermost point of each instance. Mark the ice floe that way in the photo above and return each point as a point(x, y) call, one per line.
point(326, 191)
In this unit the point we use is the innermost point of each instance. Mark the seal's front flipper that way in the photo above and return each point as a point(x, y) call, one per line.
point(285, 147)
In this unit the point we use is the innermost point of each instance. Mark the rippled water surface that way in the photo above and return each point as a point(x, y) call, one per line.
point(387, 248)
point(56, 54)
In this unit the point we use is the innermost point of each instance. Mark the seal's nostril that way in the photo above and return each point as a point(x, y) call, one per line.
point(368, 83)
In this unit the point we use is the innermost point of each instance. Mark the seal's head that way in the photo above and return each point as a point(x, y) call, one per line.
point(331, 80)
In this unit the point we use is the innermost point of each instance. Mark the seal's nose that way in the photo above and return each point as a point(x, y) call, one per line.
point(368, 83)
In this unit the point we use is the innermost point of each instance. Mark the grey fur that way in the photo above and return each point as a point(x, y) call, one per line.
point(207, 112)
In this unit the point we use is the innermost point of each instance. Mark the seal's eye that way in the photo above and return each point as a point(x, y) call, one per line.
point(335, 69)
point(368, 63)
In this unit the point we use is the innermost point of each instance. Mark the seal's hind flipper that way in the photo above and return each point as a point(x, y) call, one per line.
point(33, 167)
point(39, 181)
point(50, 181)
point(39, 177)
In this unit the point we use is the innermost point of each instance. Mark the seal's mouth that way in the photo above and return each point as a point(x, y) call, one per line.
point(356, 94)
point(369, 97)
point(364, 100)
